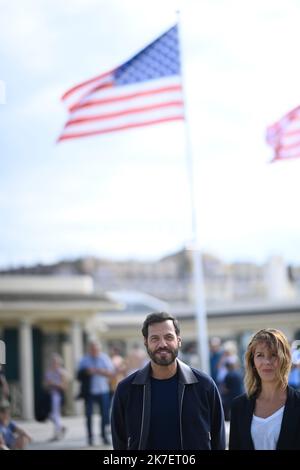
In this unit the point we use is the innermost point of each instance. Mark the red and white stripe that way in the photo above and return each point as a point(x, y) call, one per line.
point(284, 136)
point(98, 106)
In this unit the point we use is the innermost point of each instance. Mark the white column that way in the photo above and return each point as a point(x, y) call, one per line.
point(77, 353)
point(2, 353)
point(26, 369)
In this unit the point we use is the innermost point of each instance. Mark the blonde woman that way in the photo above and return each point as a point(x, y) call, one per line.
point(267, 416)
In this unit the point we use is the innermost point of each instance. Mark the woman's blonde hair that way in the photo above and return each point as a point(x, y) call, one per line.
point(278, 343)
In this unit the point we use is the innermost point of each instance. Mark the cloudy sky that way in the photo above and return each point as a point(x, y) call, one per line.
point(127, 194)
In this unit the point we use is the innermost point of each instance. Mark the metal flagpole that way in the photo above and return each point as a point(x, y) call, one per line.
point(197, 265)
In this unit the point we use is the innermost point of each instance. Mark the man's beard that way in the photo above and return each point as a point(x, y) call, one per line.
point(163, 361)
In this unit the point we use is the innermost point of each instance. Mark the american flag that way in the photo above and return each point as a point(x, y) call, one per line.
point(144, 90)
point(284, 136)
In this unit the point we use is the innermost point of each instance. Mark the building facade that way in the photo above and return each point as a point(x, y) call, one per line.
point(40, 315)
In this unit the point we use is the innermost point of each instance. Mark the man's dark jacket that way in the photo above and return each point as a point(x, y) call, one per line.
point(200, 410)
point(241, 417)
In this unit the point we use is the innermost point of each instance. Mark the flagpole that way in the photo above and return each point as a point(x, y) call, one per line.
point(197, 264)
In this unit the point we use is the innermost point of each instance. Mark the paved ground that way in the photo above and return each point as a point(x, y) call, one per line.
point(75, 437)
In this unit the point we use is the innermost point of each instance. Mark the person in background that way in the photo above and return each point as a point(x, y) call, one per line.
point(12, 436)
point(4, 388)
point(56, 381)
point(2, 443)
point(120, 366)
point(135, 359)
point(216, 353)
point(94, 372)
point(267, 416)
point(229, 349)
point(166, 405)
point(232, 385)
point(294, 377)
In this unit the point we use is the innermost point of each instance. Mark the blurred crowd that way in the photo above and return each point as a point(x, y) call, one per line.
point(99, 373)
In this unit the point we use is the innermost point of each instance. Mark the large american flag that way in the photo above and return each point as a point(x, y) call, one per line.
point(284, 136)
point(144, 90)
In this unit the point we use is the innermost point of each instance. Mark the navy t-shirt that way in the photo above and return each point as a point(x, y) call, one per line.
point(164, 421)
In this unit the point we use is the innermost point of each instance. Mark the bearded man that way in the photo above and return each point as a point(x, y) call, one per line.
point(166, 405)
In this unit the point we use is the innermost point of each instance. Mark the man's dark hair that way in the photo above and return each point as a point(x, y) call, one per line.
point(159, 317)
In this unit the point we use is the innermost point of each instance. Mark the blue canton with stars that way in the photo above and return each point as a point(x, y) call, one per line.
point(160, 59)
